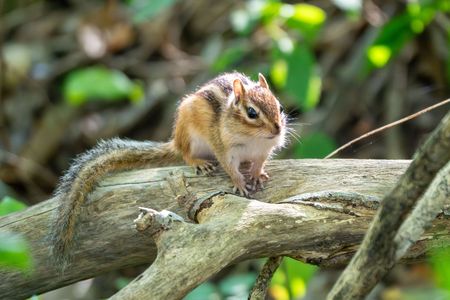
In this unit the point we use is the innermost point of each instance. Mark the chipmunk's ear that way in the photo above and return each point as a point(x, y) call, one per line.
point(239, 91)
point(263, 81)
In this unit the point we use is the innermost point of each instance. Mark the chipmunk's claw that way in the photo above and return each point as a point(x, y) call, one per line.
point(258, 181)
point(241, 191)
point(207, 168)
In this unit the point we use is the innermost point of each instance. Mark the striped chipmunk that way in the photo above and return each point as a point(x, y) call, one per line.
point(229, 120)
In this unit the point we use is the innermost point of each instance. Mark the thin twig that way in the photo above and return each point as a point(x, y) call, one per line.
point(259, 290)
point(405, 119)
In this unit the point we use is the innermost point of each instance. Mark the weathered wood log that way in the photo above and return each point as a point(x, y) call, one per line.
point(106, 239)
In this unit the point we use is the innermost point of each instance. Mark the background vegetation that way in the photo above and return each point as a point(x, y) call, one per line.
point(75, 71)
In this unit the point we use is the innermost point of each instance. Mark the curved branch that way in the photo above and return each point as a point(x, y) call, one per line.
point(106, 239)
point(429, 206)
point(231, 229)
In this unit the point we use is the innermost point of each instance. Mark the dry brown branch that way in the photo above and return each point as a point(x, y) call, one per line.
point(229, 229)
point(106, 239)
point(377, 253)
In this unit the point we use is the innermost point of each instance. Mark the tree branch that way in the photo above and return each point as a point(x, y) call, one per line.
point(106, 241)
point(377, 252)
point(429, 206)
point(259, 290)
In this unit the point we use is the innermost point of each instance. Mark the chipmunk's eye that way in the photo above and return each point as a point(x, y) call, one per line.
point(251, 113)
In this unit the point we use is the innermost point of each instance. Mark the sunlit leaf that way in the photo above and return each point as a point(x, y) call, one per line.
point(302, 80)
point(308, 14)
point(99, 83)
point(14, 252)
point(279, 292)
point(270, 11)
point(278, 73)
point(207, 291)
point(306, 18)
point(440, 262)
point(9, 205)
point(298, 269)
point(297, 273)
point(144, 10)
point(313, 93)
point(379, 55)
point(398, 31)
point(298, 287)
point(315, 145)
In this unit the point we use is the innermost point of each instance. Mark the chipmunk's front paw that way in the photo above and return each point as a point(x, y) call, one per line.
point(241, 190)
point(206, 168)
point(257, 181)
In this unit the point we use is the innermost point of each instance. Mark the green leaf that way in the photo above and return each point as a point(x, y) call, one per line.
point(306, 18)
point(230, 56)
point(315, 145)
point(440, 262)
point(206, 291)
point(302, 80)
point(306, 14)
point(398, 31)
point(298, 269)
point(278, 73)
point(99, 83)
point(237, 285)
point(145, 10)
point(270, 11)
point(294, 276)
point(14, 252)
point(121, 282)
point(9, 205)
point(379, 55)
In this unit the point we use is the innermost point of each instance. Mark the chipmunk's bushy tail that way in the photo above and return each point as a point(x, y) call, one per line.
point(87, 170)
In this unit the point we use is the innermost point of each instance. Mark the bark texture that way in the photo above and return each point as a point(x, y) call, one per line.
point(106, 238)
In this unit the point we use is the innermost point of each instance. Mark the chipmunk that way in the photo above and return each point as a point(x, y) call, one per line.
point(229, 120)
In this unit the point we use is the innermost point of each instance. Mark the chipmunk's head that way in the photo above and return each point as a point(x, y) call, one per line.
point(258, 110)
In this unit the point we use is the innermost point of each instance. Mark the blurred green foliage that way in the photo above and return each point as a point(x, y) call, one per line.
point(14, 250)
point(399, 30)
point(9, 205)
point(292, 28)
point(99, 83)
point(291, 279)
point(314, 145)
point(440, 262)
